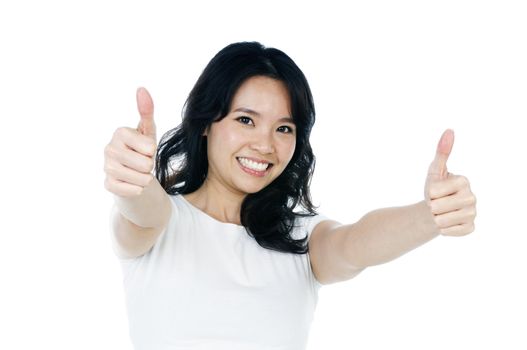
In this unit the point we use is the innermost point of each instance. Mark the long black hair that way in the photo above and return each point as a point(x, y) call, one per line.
point(268, 215)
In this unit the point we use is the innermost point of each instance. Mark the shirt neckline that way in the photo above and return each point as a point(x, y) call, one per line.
point(201, 212)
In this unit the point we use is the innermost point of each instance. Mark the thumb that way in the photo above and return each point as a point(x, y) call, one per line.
point(145, 106)
point(438, 168)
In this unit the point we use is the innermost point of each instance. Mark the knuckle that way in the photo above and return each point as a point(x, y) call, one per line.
point(108, 185)
point(463, 180)
point(440, 222)
point(148, 179)
point(107, 150)
point(459, 232)
point(149, 164)
point(432, 192)
point(110, 151)
point(472, 200)
point(118, 132)
point(469, 201)
point(109, 169)
point(121, 132)
point(434, 207)
point(152, 146)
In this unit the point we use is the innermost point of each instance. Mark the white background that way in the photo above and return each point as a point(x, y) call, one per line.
point(388, 78)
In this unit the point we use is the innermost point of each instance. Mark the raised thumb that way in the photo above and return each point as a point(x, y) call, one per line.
point(145, 106)
point(438, 168)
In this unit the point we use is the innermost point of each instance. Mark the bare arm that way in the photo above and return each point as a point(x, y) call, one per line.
point(138, 221)
point(449, 209)
point(339, 252)
point(142, 208)
point(385, 234)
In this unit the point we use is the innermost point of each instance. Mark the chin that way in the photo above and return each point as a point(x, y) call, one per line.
point(251, 189)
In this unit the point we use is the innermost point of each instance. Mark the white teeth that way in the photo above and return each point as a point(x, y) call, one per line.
point(253, 165)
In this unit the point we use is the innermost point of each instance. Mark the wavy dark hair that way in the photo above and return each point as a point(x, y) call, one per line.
point(268, 215)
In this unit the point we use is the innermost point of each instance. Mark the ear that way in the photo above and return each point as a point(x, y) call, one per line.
point(205, 132)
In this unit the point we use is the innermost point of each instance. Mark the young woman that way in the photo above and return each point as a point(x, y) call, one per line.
point(223, 248)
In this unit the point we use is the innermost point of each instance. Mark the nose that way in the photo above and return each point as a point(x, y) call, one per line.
point(263, 143)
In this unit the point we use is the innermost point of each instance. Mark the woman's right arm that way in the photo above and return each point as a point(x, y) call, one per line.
point(138, 221)
point(142, 207)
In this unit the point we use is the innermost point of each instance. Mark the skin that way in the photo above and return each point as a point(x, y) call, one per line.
point(265, 133)
point(337, 251)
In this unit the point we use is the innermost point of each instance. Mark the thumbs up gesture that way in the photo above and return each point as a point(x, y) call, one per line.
point(130, 155)
point(449, 196)
point(145, 106)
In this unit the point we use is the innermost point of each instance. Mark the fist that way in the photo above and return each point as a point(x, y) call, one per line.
point(449, 196)
point(129, 156)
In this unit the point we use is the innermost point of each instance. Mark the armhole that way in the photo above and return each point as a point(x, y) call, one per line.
point(312, 222)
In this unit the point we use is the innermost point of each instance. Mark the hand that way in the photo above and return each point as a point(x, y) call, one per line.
point(130, 155)
point(449, 196)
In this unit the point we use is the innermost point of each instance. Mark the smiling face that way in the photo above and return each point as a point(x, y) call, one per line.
point(252, 145)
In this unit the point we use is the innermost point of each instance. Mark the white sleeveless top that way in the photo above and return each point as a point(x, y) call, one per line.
point(208, 285)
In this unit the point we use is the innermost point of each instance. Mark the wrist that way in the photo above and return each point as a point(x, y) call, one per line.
point(427, 218)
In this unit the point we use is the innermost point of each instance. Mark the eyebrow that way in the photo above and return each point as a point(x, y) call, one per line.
point(250, 111)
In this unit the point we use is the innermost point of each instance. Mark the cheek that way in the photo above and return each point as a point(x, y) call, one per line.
point(222, 141)
point(287, 149)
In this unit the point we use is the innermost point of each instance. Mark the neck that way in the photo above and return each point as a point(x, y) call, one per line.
point(215, 200)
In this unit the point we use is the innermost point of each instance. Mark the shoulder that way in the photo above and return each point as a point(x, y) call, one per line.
point(327, 253)
point(309, 224)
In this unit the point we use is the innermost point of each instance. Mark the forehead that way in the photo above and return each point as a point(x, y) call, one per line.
point(264, 95)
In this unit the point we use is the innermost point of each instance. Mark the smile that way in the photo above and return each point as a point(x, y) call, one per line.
point(254, 168)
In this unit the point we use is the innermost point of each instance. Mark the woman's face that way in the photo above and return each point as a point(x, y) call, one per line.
point(253, 144)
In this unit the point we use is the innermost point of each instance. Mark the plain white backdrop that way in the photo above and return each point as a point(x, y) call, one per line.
point(388, 77)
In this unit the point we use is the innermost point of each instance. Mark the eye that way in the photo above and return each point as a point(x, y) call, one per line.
point(286, 129)
point(244, 120)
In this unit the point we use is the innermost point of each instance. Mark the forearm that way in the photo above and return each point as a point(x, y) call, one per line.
point(385, 234)
point(150, 209)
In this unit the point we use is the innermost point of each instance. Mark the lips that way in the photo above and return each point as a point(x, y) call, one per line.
point(253, 164)
point(254, 168)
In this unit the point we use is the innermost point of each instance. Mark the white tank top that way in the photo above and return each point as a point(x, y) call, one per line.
point(208, 285)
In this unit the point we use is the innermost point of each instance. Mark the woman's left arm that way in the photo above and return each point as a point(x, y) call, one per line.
point(339, 252)
point(382, 235)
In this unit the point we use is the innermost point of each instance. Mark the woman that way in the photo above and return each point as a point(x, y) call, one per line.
point(223, 248)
